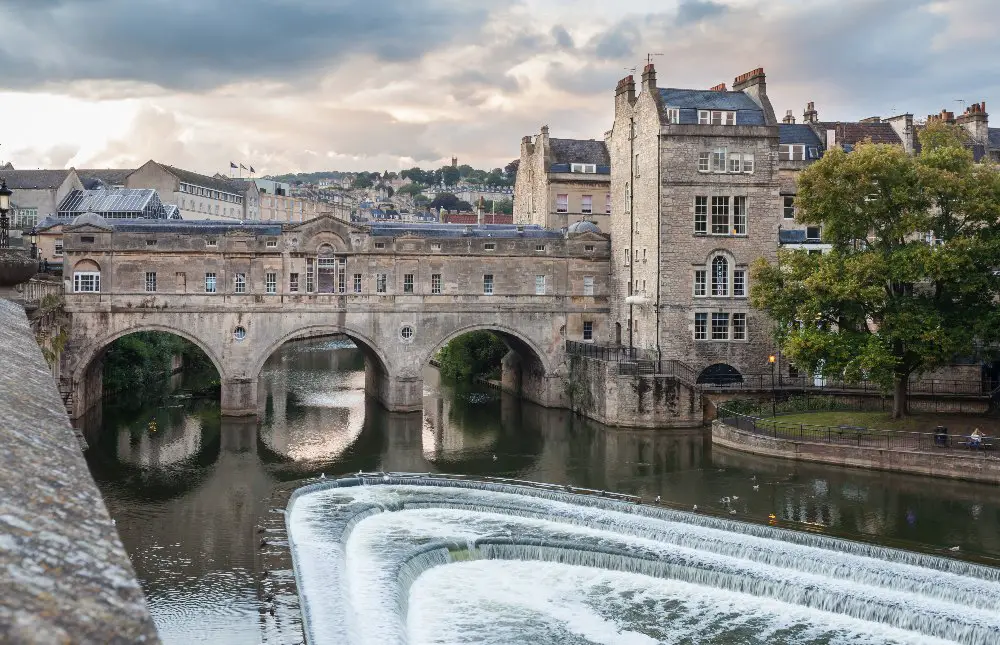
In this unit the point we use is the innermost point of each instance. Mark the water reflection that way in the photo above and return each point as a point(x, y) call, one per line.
point(186, 486)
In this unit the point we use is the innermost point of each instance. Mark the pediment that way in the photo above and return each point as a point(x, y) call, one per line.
point(326, 223)
point(87, 228)
point(590, 236)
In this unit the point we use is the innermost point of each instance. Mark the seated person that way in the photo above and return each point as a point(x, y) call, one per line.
point(976, 439)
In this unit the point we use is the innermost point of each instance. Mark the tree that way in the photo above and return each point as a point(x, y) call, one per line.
point(501, 206)
point(883, 303)
point(450, 202)
point(450, 175)
point(474, 354)
point(511, 171)
point(363, 180)
point(410, 189)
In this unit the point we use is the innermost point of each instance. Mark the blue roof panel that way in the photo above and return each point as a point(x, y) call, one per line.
point(792, 133)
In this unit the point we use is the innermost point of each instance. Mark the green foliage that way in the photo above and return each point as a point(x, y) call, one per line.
point(450, 202)
point(450, 176)
point(478, 353)
point(144, 358)
point(883, 303)
point(412, 190)
point(364, 180)
point(502, 206)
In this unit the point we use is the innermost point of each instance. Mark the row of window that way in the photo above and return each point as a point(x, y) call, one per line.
point(24, 217)
point(90, 282)
point(705, 117)
point(721, 160)
point(724, 326)
point(728, 215)
point(586, 203)
point(797, 152)
point(193, 205)
point(211, 194)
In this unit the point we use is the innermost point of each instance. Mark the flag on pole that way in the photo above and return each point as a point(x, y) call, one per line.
point(252, 171)
point(242, 167)
point(232, 166)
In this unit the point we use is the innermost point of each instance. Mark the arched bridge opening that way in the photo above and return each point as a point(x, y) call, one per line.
point(132, 361)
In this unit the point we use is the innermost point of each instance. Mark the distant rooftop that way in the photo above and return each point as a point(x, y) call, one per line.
point(798, 133)
point(120, 202)
point(567, 151)
point(95, 178)
point(34, 179)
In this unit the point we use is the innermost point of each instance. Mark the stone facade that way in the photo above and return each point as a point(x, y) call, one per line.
point(693, 205)
point(561, 181)
point(240, 292)
point(198, 197)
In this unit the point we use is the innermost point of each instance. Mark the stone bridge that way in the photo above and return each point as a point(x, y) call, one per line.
point(400, 292)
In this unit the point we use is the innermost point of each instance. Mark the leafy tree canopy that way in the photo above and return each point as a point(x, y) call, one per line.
point(478, 353)
point(909, 282)
point(450, 202)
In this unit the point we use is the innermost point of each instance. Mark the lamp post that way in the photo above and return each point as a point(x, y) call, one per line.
point(772, 359)
point(5, 194)
point(34, 244)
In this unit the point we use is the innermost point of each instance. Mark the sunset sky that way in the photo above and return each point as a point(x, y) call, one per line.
point(306, 85)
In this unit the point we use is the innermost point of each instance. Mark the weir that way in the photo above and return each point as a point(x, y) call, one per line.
point(375, 553)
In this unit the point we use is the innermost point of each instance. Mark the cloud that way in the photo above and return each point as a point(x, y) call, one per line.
point(201, 44)
point(692, 11)
point(562, 37)
point(617, 43)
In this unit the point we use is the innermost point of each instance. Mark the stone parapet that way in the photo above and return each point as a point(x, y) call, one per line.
point(65, 575)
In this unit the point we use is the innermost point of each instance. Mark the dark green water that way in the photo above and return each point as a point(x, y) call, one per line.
point(186, 487)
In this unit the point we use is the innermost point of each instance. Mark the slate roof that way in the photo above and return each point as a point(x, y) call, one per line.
point(397, 229)
point(123, 200)
point(94, 178)
point(792, 133)
point(994, 138)
point(204, 181)
point(192, 227)
point(50, 221)
point(579, 151)
point(854, 133)
point(34, 179)
point(690, 101)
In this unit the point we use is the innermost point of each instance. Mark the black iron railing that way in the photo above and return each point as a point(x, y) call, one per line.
point(848, 435)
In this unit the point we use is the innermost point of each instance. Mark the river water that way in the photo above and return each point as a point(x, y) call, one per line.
point(187, 487)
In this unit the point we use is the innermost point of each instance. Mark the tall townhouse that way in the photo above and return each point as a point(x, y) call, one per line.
point(695, 199)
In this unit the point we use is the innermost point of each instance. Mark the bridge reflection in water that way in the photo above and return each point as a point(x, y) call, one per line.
point(188, 491)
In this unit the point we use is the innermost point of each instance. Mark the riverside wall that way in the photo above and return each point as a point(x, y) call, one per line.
point(64, 574)
point(971, 466)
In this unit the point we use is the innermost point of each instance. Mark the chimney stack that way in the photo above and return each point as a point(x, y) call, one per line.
point(975, 120)
point(789, 118)
point(754, 85)
point(810, 115)
point(649, 78)
point(721, 87)
point(626, 89)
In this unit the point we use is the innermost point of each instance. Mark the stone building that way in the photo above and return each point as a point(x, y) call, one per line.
point(562, 181)
point(36, 194)
point(694, 201)
point(198, 197)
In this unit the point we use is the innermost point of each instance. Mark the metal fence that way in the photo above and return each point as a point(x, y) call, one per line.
point(846, 435)
point(763, 382)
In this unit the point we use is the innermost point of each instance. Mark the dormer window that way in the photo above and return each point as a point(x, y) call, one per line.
point(792, 152)
point(716, 117)
point(673, 115)
point(587, 168)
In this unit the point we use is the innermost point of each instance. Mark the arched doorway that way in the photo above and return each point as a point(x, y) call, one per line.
point(720, 374)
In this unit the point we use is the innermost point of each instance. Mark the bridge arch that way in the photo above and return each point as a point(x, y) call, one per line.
point(95, 348)
point(516, 340)
point(366, 344)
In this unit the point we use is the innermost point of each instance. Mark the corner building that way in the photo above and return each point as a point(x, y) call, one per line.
point(695, 199)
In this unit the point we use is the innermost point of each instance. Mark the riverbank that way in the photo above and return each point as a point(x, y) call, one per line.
point(951, 463)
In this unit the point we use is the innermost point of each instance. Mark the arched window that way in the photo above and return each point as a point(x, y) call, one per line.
point(720, 276)
point(87, 277)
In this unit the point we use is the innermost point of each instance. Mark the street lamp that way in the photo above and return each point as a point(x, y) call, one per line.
point(5, 194)
point(772, 359)
point(34, 244)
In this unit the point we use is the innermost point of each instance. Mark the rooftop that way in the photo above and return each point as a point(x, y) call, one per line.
point(192, 227)
point(588, 151)
point(690, 101)
point(94, 178)
point(34, 179)
point(398, 229)
point(851, 133)
point(798, 133)
point(204, 181)
point(119, 200)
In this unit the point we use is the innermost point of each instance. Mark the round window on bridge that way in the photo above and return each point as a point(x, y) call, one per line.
point(406, 333)
point(240, 333)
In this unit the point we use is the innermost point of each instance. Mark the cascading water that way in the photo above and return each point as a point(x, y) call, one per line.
point(400, 559)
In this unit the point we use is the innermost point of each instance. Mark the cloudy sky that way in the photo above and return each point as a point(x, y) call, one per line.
point(306, 85)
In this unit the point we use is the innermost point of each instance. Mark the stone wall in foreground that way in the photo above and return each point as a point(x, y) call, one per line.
point(972, 466)
point(64, 574)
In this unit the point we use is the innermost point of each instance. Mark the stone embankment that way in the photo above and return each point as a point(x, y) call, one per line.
point(981, 466)
point(64, 574)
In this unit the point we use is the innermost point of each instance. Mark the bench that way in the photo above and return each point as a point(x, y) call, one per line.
point(985, 445)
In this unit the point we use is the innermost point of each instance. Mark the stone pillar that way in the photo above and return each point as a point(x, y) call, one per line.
point(395, 393)
point(239, 397)
point(510, 376)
